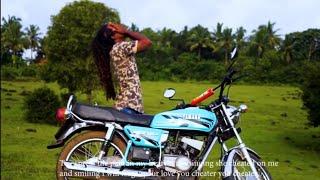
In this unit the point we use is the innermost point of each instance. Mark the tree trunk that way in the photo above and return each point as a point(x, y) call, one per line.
point(226, 58)
point(311, 51)
point(31, 58)
point(288, 57)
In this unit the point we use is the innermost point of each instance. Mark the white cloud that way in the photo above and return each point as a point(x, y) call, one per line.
point(289, 15)
point(36, 12)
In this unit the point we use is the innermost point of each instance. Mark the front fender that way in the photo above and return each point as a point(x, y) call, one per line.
point(227, 161)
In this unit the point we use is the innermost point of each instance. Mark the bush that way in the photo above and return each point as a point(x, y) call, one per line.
point(29, 71)
point(9, 73)
point(46, 73)
point(311, 93)
point(41, 106)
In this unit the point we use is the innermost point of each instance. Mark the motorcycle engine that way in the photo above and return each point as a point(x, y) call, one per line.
point(176, 163)
point(181, 159)
point(192, 146)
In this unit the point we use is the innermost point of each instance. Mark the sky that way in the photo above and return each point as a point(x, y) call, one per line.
point(289, 15)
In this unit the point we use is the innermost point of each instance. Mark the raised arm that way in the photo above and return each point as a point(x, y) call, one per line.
point(143, 42)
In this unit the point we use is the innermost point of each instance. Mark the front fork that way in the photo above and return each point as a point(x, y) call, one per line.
point(242, 146)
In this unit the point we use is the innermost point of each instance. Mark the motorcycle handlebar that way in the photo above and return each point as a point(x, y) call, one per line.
point(202, 97)
point(226, 81)
point(210, 92)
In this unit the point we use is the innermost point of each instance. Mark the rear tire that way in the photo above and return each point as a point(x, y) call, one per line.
point(60, 171)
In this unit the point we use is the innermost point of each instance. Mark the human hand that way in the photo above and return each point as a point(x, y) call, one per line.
point(117, 28)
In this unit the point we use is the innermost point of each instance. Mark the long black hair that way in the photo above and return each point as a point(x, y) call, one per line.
point(101, 46)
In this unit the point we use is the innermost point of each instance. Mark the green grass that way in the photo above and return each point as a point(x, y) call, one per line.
point(275, 127)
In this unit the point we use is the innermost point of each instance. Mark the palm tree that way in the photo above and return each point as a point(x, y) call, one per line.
point(287, 48)
point(264, 38)
point(199, 39)
point(259, 42)
point(12, 36)
point(224, 40)
point(217, 34)
point(273, 38)
point(240, 37)
point(166, 37)
point(180, 40)
point(134, 27)
point(33, 37)
point(150, 34)
point(11, 20)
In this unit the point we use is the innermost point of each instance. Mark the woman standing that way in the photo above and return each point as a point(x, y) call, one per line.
point(115, 56)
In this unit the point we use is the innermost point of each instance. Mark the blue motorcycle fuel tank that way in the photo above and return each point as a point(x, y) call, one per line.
point(192, 118)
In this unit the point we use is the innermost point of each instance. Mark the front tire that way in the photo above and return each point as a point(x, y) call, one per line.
point(88, 136)
point(242, 171)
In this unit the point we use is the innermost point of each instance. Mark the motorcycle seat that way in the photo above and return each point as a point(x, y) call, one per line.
point(109, 114)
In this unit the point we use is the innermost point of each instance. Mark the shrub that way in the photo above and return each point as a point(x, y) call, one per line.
point(29, 71)
point(41, 105)
point(311, 93)
point(9, 73)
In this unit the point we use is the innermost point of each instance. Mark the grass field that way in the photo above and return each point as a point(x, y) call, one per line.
point(275, 127)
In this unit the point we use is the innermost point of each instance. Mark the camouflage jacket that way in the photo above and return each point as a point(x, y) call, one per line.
point(126, 73)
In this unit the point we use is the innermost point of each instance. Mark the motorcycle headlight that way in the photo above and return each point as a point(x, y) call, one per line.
point(230, 112)
point(235, 118)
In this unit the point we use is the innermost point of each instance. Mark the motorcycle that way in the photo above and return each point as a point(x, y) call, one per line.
point(174, 143)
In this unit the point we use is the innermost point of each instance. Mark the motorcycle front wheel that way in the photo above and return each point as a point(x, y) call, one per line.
point(242, 171)
point(84, 148)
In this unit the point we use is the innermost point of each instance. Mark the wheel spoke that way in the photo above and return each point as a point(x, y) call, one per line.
point(87, 151)
point(97, 148)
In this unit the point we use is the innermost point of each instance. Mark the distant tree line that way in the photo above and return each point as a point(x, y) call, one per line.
point(192, 54)
point(196, 53)
point(200, 54)
point(15, 40)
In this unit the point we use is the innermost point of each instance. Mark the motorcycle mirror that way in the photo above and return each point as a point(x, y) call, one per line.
point(169, 93)
point(234, 53)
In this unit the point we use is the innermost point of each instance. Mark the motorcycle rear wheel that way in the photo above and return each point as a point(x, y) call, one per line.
point(88, 137)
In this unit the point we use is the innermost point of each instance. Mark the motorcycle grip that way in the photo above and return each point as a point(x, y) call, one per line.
point(202, 97)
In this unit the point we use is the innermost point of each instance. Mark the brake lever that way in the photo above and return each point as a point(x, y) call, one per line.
point(228, 79)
